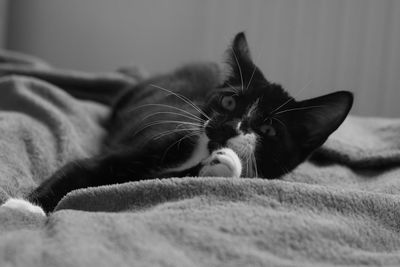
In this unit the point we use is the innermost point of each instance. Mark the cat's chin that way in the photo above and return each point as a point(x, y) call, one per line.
point(222, 163)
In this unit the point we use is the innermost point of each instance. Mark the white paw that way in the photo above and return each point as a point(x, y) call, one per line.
point(23, 205)
point(223, 162)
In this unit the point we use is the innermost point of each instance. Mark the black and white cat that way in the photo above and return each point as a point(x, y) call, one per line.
point(189, 123)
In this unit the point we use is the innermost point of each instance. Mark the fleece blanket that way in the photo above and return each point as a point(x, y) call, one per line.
point(340, 208)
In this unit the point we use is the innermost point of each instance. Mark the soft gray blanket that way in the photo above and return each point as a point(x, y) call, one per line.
point(340, 209)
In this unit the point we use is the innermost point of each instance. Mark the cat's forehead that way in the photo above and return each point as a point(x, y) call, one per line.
point(258, 95)
point(269, 95)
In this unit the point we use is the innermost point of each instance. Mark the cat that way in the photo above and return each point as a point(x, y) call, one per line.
point(192, 123)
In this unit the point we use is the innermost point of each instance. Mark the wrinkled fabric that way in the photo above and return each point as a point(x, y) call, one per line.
point(339, 208)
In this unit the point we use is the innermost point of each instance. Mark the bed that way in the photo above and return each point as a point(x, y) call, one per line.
point(339, 208)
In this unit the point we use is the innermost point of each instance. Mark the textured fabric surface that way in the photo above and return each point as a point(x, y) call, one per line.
point(341, 208)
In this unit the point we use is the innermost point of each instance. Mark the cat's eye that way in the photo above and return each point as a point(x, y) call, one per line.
point(268, 130)
point(228, 103)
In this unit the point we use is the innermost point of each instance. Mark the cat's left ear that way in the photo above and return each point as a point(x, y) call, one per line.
point(321, 116)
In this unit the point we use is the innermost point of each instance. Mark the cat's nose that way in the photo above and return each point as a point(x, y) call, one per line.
point(226, 130)
point(221, 132)
point(244, 126)
point(232, 124)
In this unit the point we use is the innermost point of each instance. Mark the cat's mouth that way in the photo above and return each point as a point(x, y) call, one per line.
point(243, 144)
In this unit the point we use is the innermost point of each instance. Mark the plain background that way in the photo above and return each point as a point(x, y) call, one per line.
point(311, 47)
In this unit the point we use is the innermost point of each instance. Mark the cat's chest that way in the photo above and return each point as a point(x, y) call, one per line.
point(199, 153)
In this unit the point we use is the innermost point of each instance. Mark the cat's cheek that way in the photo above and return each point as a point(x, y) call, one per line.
point(222, 163)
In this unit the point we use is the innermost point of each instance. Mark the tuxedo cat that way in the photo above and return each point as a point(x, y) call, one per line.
point(190, 123)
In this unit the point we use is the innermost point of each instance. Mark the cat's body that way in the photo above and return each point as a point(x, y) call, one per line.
point(152, 118)
point(190, 123)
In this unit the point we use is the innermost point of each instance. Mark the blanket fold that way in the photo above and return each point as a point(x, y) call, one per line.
point(339, 208)
point(102, 88)
point(365, 142)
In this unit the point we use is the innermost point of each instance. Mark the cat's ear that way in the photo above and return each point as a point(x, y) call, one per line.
point(321, 116)
point(239, 50)
point(241, 67)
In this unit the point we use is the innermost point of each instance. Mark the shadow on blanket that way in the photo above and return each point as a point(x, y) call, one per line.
point(342, 207)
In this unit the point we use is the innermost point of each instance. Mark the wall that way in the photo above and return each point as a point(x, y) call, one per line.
point(3, 22)
point(103, 35)
point(310, 46)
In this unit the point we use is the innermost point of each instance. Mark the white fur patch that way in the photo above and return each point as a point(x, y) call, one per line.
point(199, 153)
point(23, 205)
point(223, 162)
point(243, 144)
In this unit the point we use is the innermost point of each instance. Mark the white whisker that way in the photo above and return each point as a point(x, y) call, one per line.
point(278, 120)
point(248, 163)
point(165, 133)
point(292, 98)
point(173, 113)
point(166, 106)
point(287, 101)
point(172, 121)
point(250, 170)
point(233, 88)
point(183, 98)
point(240, 69)
point(247, 168)
point(251, 77)
point(254, 163)
point(164, 122)
point(294, 109)
point(178, 141)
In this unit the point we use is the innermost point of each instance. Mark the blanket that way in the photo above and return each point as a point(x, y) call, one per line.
point(339, 208)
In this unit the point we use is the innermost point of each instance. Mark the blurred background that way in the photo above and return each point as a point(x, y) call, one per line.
point(322, 45)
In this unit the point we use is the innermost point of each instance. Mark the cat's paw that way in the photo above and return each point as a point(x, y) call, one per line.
point(23, 205)
point(223, 162)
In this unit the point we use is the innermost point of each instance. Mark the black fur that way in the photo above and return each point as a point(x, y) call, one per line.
point(134, 149)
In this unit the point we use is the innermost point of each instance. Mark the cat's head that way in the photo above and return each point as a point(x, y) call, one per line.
point(270, 131)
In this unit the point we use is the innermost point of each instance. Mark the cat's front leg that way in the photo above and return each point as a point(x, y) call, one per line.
point(23, 205)
point(222, 162)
